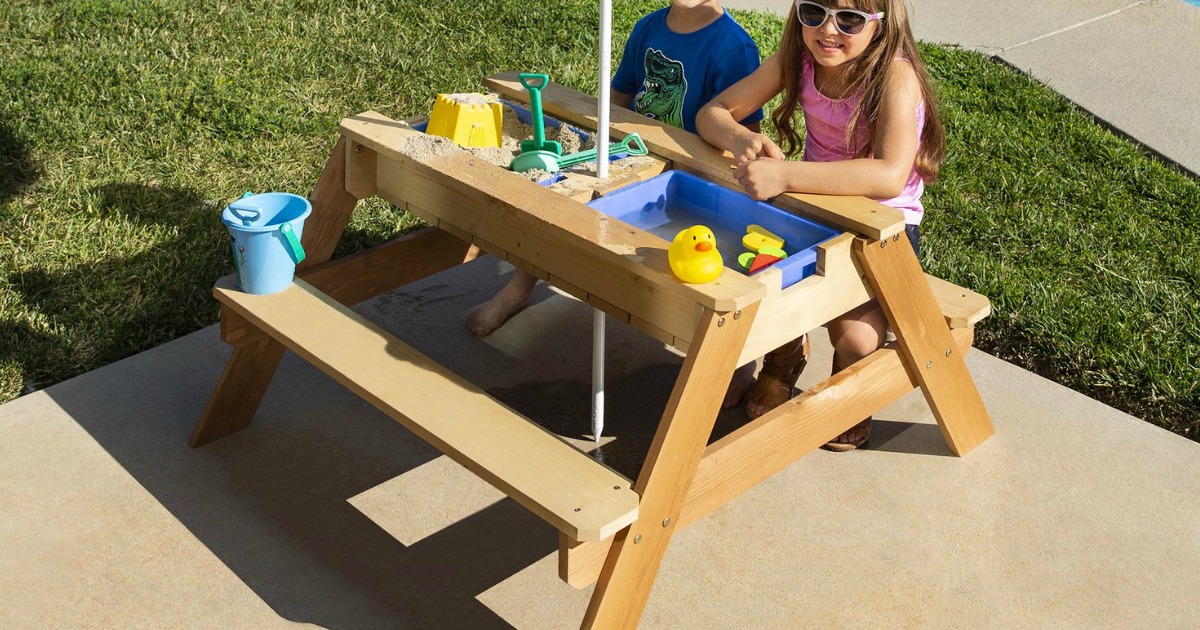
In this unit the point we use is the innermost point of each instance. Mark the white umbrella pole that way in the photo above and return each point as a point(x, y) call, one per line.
point(604, 74)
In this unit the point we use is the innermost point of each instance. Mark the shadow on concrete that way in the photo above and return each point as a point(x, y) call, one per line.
point(914, 438)
point(273, 501)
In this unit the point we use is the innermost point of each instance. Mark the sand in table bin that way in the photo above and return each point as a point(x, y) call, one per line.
point(423, 148)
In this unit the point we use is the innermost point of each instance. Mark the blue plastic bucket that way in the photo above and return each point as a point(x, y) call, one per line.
point(264, 232)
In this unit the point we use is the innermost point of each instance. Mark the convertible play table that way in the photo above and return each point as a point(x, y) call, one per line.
point(613, 531)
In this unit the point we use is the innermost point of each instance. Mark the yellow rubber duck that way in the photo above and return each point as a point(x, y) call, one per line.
point(693, 255)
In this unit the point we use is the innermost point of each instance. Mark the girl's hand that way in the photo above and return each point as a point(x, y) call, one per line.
point(751, 146)
point(762, 178)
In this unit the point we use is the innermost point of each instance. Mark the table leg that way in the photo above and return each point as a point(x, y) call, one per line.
point(240, 390)
point(632, 564)
point(332, 207)
point(926, 346)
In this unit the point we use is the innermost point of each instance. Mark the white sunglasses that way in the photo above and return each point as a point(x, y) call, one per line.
point(847, 21)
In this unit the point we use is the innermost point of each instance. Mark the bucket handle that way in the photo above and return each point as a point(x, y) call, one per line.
point(247, 213)
point(295, 250)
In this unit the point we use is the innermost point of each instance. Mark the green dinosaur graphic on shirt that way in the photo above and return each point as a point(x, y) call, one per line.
point(663, 90)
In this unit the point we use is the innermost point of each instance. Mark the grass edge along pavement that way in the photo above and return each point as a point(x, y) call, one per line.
point(126, 126)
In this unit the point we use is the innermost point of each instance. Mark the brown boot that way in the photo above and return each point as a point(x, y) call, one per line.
point(780, 371)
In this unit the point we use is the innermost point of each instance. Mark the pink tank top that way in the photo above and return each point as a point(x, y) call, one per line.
point(825, 122)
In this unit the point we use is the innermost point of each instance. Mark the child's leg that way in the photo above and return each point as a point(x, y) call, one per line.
point(492, 314)
point(855, 335)
point(743, 379)
point(780, 371)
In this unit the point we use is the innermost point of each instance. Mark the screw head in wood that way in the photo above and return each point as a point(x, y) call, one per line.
point(720, 322)
point(637, 538)
point(949, 351)
point(666, 521)
point(737, 314)
point(358, 148)
point(929, 365)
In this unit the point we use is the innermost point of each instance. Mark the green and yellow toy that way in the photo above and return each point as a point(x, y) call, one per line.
point(766, 249)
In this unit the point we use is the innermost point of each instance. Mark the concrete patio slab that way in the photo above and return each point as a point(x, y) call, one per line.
point(1140, 74)
point(326, 512)
point(993, 27)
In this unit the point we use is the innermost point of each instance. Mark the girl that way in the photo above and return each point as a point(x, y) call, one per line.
point(871, 129)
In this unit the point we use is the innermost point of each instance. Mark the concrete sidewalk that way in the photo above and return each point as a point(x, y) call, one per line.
point(326, 512)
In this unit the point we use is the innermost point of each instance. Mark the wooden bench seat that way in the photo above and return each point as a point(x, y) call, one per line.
point(962, 308)
point(579, 496)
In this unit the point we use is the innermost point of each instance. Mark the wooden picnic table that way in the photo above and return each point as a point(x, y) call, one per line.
point(613, 531)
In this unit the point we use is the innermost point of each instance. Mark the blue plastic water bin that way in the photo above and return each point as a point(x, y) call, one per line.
point(675, 200)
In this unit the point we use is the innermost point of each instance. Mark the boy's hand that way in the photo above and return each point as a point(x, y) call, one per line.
point(751, 146)
point(762, 178)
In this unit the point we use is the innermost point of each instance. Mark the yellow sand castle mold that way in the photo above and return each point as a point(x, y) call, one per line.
point(469, 120)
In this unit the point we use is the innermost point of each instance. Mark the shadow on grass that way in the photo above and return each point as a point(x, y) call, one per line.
point(105, 310)
point(17, 169)
point(19, 340)
point(108, 309)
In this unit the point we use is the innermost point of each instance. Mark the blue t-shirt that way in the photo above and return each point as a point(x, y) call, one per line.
point(673, 75)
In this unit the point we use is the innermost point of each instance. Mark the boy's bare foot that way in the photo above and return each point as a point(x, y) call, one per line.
point(853, 438)
point(743, 378)
point(492, 314)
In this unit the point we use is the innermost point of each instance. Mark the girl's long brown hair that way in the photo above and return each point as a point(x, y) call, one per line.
point(893, 38)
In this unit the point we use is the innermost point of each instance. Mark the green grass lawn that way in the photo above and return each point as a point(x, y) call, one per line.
point(126, 125)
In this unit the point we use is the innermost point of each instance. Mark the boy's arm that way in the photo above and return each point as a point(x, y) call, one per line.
point(620, 99)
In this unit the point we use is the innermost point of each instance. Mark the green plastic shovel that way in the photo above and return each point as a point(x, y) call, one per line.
point(547, 161)
point(539, 141)
point(632, 144)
